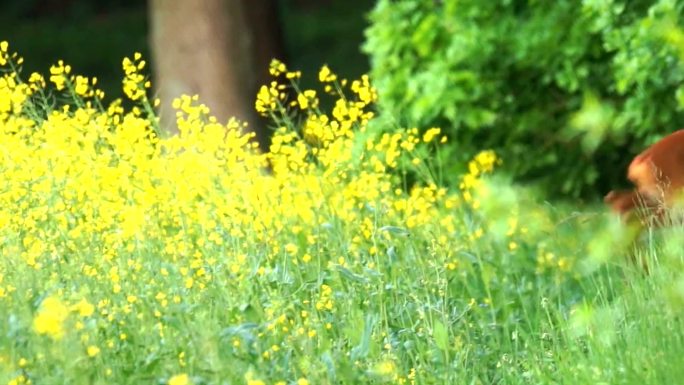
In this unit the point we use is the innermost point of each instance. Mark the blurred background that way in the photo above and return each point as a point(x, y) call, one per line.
point(93, 36)
point(566, 92)
point(218, 49)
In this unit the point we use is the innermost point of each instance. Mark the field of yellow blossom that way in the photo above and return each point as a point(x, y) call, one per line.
point(131, 256)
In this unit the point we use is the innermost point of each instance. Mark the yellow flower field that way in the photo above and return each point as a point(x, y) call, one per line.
point(134, 256)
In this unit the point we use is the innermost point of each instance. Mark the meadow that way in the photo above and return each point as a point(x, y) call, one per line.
point(338, 256)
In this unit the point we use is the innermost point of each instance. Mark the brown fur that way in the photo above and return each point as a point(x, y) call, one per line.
point(658, 176)
point(658, 172)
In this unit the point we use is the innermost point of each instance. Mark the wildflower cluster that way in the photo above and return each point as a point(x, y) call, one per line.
point(482, 164)
point(60, 76)
point(196, 249)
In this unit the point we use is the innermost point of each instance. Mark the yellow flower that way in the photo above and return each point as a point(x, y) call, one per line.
point(366, 93)
point(430, 134)
point(93, 351)
point(36, 80)
point(266, 100)
point(84, 308)
point(325, 75)
point(307, 99)
point(81, 85)
point(277, 67)
point(291, 248)
point(385, 368)
point(180, 379)
point(58, 74)
point(50, 318)
point(134, 83)
point(18, 380)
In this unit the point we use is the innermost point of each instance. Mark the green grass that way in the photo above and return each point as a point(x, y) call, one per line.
point(494, 320)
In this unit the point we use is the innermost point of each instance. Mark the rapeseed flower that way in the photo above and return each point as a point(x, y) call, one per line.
point(179, 379)
point(92, 351)
point(50, 318)
point(140, 234)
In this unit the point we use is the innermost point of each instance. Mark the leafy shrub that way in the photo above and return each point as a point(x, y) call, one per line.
point(565, 92)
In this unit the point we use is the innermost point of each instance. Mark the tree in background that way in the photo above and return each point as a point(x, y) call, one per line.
point(565, 91)
point(218, 49)
point(94, 36)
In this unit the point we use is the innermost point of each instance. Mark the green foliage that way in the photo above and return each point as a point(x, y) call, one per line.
point(565, 92)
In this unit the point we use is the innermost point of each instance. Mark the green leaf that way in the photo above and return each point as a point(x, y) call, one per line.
point(441, 335)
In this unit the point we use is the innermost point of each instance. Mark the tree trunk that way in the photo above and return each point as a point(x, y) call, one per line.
point(218, 49)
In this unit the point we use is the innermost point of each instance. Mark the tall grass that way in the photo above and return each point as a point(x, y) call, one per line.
point(134, 257)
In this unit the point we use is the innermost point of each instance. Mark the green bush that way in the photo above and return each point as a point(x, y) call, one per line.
point(565, 91)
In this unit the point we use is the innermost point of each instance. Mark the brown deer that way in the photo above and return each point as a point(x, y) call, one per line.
point(658, 172)
point(658, 177)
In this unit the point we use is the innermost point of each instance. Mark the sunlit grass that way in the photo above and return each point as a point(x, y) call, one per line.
point(130, 256)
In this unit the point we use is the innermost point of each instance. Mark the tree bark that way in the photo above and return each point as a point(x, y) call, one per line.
point(218, 49)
